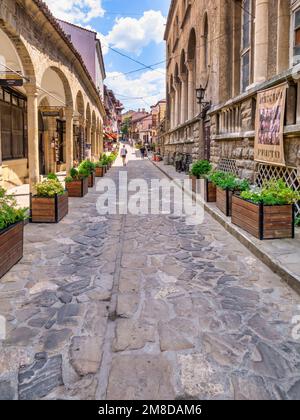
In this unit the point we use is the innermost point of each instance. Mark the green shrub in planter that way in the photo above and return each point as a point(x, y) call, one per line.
point(52, 176)
point(272, 193)
point(49, 188)
point(9, 212)
point(297, 221)
point(228, 181)
point(86, 167)
point(201, 168)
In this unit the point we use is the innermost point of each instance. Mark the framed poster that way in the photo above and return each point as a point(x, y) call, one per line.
point(269, 124)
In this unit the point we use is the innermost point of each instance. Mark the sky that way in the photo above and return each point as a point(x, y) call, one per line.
point(134, 28)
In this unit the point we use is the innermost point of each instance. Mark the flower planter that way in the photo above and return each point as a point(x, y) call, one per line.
point(264, 222)
point(49, 210)
point(91, 180)
point(224, 201)
point(11, 247)
point(210, 191)
point(78, 188)
point(99, 172)
point(194, 181)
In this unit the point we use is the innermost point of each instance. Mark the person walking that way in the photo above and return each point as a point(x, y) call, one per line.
point(124, 154)
point(142, 150)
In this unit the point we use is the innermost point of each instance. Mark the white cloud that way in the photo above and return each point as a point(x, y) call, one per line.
point(150, 86)
point(133, 35)
point(76, 11)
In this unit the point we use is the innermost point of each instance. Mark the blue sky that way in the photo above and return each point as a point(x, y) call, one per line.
point(134, 28)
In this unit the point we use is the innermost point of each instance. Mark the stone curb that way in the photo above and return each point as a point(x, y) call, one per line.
point(290, 278)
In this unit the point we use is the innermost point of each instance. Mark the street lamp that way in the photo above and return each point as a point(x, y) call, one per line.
point(200, 94)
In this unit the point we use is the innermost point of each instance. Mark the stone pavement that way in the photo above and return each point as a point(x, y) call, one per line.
point(282, 256)
point(144, 307)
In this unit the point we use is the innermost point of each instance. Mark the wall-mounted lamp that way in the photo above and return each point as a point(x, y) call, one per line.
point(200, 94)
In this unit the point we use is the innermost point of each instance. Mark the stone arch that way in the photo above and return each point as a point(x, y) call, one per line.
point(18, 47)
point(192, 65)
point(184, 88)
point(94, 135)
point(80, 104)
point(56, 83)
point(205, 37)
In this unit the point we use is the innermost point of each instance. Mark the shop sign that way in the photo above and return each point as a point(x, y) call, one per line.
point(10, 79)
point(269, 125)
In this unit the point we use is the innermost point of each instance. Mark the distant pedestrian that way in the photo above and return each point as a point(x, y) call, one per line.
point(143, 150)
point(124, 154)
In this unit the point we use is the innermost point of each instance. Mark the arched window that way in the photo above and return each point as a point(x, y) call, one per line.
point(205, 42)
point(246, 44)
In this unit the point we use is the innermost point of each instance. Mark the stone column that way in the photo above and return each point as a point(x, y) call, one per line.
point(1, 169)
point(176, 119)
point(89, 139)
point(69, 139)
point(172, 109)
point(101, 145)
point(283, 35)
point(184, 98)
point(191, 90)
point(33, 136)
point(261, 41)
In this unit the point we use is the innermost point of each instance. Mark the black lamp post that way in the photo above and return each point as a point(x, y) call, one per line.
point(200, 94)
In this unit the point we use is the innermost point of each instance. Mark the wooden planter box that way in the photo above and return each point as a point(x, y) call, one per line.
point(91, 180)
point(99, 172)
point(11, 247)
point(49, 210)
point(194, 180)
point(264, 222)
point(78, 188)
point(210, 191)
point(224, 201)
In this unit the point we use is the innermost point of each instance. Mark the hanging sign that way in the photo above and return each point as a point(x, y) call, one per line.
point(51, 111)
point(10, 79)
point(269, 124)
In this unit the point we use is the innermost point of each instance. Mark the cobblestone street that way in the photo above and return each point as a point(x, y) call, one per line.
point(148, 307)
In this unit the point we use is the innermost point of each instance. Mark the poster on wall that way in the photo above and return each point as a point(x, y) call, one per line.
point(269, 124)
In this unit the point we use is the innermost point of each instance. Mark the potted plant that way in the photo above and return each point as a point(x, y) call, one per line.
point(227, 184)
point(11, 232)
point(267, 212)
point(99, 169)
point(105, 162)
point(50, 204)
point(77, 184)
point(88, 167)
point(199, 170)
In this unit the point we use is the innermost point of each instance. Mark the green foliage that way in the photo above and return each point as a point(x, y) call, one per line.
point(272, 193)
point(74, 173)
point(9, 212)
point(83, 173)
point(86, 167)
point(99, 164)
point(69, 179)
point(297, 221)
point(225, 180)
point(201, 168)
point(105, 161)
point(49, 188)
point(52, 176)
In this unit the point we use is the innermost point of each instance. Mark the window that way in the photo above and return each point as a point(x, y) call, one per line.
point(297, 37)
point(13, 125)
point(246, 44)
point(205, 36)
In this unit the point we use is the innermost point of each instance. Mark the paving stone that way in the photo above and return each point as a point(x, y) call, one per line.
point(272, 364)
point(250, 388)
point(177, 334)
point(55, 339)
point(86, 355)
point(21, 336)
point(67, 312)
point(132, 335)
point(127, 304)
point(46, 299)
point(140, 377)
point(65, 297)
point(263, 328)
point(7, 392)
point(294, 392)
point(40, 378)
